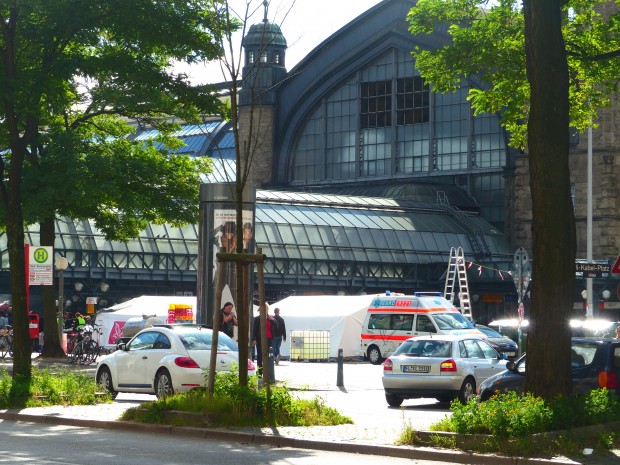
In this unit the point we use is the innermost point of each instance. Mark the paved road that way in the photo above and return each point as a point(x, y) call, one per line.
point(361, 397)
point(38, 444)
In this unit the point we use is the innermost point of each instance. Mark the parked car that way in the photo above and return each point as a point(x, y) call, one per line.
point(166, 359)
point(440, 366)
point(595, 364)
point(501, 343)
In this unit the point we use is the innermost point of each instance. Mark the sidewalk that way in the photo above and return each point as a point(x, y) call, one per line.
point(371, 434)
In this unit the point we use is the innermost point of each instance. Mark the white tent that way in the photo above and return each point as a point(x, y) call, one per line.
point(340, 316)
point(112, 320)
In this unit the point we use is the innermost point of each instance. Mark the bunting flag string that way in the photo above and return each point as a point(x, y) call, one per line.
point(480, 267)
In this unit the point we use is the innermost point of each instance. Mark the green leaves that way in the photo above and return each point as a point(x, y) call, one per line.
point(76, 76)
point(484, 44)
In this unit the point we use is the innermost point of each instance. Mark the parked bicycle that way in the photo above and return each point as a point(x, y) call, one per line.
point(6, 342)
point(96, 335)
point(85, 349)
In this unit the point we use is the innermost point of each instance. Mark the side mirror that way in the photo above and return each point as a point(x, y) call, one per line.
point(512, 366)
point(122, 346)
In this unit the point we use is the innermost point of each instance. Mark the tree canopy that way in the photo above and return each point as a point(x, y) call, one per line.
point(485, 48)
point(76, 78)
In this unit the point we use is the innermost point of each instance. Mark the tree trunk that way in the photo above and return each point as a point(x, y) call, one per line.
point(553, 226)
point(243, 318)
point(52, 347)
point(22, 363)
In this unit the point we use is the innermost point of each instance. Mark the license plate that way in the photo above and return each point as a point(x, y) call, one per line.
point(511, 354)
point(416, 368)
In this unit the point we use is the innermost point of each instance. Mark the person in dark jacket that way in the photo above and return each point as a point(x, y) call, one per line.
point(279, 334)
point(228, 320)
point(256, 336)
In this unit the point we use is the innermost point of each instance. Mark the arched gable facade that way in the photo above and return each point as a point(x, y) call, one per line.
point(356, 111)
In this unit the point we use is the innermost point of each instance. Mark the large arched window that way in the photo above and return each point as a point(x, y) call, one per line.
point(383, 122)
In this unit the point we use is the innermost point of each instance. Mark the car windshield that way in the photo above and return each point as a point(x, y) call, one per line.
point(424, 348)
point(454, 320)
point(201, 340)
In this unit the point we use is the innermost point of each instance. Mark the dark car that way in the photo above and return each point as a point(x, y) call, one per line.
point(595, 364)
point(501, 343)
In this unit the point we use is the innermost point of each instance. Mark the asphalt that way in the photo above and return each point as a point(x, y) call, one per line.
point(373, 439)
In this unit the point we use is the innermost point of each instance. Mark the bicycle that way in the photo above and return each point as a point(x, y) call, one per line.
point(84, 350)
point(6, 342)
point(95, 336)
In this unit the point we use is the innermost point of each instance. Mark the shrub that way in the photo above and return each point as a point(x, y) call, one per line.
point(44, 388)
point(509, 420)
point(512, 415)
point(236, 405)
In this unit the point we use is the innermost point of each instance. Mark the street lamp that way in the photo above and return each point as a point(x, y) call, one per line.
point(61, 265)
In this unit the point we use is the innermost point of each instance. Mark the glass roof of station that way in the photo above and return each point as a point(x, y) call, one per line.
point(310, 225)
point(213, 138)
point(293, 224)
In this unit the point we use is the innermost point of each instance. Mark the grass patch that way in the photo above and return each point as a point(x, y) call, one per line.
point(239, 406)
point(524, 425)
point(45, 388)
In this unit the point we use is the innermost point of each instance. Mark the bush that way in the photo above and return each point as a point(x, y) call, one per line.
point(511, 415)
point(235, 405)
point(45, 388)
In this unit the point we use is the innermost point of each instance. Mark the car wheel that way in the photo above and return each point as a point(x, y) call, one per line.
point(163, 384)
point(468, 390)
point(393, 400)
point(374, 355)
point(104, 379)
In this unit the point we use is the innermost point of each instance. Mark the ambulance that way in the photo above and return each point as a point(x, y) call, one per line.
point(391, 319)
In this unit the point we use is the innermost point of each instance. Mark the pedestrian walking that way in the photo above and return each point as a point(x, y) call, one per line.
point(279, 334)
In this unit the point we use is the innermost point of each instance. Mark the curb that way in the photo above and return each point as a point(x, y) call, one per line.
point(447, 456)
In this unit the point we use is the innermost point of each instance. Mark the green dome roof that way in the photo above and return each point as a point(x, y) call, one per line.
point(264, 34)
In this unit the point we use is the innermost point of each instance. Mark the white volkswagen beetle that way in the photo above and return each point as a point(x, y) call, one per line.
point(166, 359)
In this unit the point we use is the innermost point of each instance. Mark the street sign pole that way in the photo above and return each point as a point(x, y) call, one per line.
point(521, 262)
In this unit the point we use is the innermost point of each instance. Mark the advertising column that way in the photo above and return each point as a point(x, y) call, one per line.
point(218, 230)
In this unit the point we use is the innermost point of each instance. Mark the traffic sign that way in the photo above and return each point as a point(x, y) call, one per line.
point(523, 275)
point(521, 312)
point(521, 257)
point(616, 268)
point(40, 266)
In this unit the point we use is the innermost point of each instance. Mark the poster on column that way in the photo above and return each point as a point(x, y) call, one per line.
point(225, 237)
point(218, 230)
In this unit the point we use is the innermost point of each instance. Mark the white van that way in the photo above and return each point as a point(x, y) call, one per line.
point(391, 319)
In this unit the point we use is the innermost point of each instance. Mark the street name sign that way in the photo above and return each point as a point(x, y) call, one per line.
point(592, 270)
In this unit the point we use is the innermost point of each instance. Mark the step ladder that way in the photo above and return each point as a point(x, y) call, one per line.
point(458, 271)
